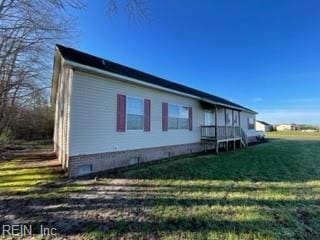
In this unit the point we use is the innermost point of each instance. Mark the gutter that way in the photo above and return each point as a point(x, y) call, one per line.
point(105, 73)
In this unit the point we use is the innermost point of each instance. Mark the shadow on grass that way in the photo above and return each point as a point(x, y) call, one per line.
point(195, 224)
point(154, 204)
point(277, 160)
point(126, 210)
point(23, 176)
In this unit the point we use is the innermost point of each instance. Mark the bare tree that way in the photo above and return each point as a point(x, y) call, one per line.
point(135, 9)
point(28, 30)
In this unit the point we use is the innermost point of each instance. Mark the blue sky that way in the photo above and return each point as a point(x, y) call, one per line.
point(264, 55)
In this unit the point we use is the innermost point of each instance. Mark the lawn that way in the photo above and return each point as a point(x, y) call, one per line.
point(267, 191)
point(28, 169)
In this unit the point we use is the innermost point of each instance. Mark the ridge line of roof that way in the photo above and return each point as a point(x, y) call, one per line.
point(113, 67)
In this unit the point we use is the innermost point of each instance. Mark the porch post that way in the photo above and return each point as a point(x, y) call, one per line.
point(225, 127)
point(239, 128)
point(225, 122)
point(216, 127)
point(216, 120)
point(239, 123)
point(233, 124)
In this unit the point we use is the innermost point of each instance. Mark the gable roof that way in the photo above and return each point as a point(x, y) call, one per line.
point(264, 123)
point(82, 58)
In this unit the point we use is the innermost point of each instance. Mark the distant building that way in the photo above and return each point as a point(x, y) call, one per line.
point(310, 130)
point(263, 126)
point(286, 127)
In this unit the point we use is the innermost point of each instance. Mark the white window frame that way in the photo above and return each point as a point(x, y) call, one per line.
point(180, 106)
point(208, 113)
point(127, 100)
point(251, 126)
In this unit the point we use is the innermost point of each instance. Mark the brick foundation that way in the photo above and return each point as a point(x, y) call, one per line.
point(112, 160)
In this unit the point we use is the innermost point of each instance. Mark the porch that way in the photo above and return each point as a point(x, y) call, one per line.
point(214, 132)
point(227, 136)
point(222, 127)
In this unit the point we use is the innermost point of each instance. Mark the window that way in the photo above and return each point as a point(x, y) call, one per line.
point(135, 113)
point(208, 118)
point(235, 118)
point(178, 117)
point(250, 123)
point(228, 120)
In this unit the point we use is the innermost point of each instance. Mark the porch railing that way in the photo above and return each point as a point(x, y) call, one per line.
point(208, 132)
point(220, 132)
point(244, 137)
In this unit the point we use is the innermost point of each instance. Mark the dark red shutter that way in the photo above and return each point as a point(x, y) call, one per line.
point(164, 116)
point(190, 118)
point(121, 113)
point(147, 113)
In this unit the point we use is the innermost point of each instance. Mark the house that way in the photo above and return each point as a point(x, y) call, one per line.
point(108, 116)
point(263, 126)
point(286, 127)
point(310, 130)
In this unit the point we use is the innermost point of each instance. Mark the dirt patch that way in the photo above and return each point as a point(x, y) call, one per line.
point(97, 205)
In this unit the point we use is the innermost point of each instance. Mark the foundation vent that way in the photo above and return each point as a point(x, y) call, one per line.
point(134, 160)
point(84, 169)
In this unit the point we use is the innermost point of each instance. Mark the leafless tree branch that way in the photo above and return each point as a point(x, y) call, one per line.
point(135, 9)
point(27, 28)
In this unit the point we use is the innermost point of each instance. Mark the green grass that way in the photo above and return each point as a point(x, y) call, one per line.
point(267, 191)
point(14, 179)
point(21, 175)
point(294, 135)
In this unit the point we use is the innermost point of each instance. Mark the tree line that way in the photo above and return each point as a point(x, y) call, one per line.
point(29, 31)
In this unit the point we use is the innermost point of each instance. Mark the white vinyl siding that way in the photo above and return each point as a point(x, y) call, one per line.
point(263, 127)
point(93, 115)
point(62, 115)
point(244, 123)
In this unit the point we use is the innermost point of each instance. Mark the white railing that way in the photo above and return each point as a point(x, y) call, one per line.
point(220, 132)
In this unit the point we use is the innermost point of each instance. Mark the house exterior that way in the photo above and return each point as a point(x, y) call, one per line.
point(286, 127)
point(108, 116)
point(310, 130)
point(263, 126)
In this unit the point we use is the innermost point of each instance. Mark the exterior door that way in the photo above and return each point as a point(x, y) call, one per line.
point(208, 118)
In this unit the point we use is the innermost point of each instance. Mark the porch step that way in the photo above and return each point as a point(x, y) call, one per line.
point(243, 143)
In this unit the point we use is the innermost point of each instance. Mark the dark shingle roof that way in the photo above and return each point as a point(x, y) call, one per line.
point(265, 123)
point(103, 64)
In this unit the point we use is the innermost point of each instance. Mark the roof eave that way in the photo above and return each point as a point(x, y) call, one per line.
point(90, 69)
